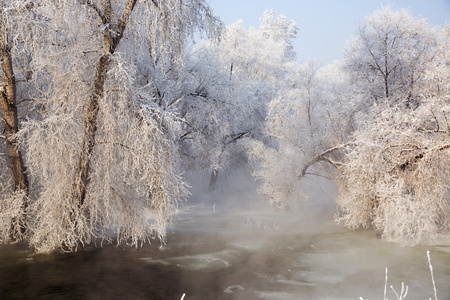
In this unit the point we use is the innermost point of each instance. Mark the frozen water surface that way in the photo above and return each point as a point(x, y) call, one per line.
point(243, 249)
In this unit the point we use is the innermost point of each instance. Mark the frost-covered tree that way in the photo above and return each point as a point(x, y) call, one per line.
point(13, 179)
point(264, 53)
point(281, 30)
point(310, 123)
point(437, 75)
point(395, 175)
point(380, 120)
point(389, 56)
point(103, 154)
point(231, 83)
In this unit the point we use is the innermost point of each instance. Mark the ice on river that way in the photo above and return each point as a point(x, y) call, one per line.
point(240, 250)
point(208, 262)
point(248, 257)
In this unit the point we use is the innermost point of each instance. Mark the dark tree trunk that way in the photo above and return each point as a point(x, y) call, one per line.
point(213, 179)
point(109, 47)
point(8, 105)
point(90, 124)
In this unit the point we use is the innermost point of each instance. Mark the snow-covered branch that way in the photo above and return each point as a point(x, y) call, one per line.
point(92, 5)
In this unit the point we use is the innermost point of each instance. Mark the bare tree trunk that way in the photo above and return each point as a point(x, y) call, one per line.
point(213, 179)
point(8, 104)
point(90, 124)
point(109, 47)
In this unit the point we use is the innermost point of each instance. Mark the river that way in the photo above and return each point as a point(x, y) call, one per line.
point(246, 251)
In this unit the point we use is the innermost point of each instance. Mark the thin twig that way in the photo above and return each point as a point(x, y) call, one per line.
point(96, 9)
point(432, 275)
point(385, 284)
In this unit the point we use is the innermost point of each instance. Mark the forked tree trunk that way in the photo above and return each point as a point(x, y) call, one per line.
point(109, 47)
point(8, 105)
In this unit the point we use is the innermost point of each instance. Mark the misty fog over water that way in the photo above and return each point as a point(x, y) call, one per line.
point(111, 110)
point(230, 244)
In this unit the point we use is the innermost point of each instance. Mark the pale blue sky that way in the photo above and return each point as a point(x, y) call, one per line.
point(325, 25)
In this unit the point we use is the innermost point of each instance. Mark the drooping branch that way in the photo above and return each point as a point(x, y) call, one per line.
point(323, 157)
point(96, 9)
point(236, 136)
point(421, 155)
